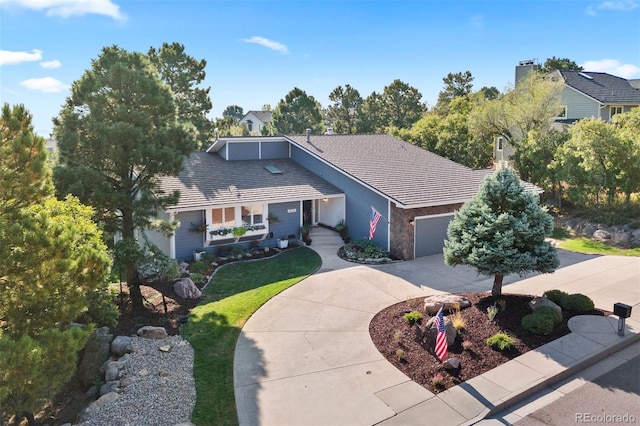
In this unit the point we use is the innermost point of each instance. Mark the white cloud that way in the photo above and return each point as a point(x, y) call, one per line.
point(269, 44)
point(8, 57)
point(620, 5)
point(616, 5)
point(67, 8)
point(612, 66)
point(45, 85)
point(51, 64)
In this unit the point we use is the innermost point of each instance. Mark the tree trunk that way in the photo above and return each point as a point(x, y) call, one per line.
point(128, 232)
point(497, 285)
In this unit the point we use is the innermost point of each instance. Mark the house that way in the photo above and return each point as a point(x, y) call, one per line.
point(595, 94)
point(274, 185)
point(255, 121)
point(585, 94)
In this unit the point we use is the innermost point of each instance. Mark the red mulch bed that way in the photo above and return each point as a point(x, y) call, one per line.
point(396, 339)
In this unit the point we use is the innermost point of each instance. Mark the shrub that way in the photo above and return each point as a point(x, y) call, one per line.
point(397, 336)
point(400, 354)
point(438, 380)
point(199, 268)
point(554, 314)
point(197, 278)
point(578, 303)
point(456, 319)
point(412, 317)
point(556, 296)
point(501, 342)
point(102, 311)
point(492, 311)
point(538, 323)
point(237, 250)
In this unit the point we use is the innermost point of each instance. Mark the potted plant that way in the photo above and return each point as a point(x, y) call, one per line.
point(283, 242)
point(304, 234)
point(198, 255)
point(239, 231)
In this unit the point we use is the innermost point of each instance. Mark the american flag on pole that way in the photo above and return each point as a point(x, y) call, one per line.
point(441, 337)
point(373, 222)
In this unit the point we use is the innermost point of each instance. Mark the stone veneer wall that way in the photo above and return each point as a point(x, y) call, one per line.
point(402, 232)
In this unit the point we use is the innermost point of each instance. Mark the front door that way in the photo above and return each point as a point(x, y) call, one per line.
point(307, 212)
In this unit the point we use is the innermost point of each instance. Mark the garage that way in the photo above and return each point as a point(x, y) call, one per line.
point(430, 233)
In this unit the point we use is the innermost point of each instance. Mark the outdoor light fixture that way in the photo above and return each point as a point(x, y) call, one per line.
point(623, 312)
point(325, 200)
point(411, 222)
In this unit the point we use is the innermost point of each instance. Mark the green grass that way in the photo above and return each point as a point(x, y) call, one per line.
point(234, 294)
point(589, 246)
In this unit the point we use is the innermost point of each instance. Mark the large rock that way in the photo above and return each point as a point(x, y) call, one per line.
point(539, 302)
point(96, 352)
point(151, 332)
point(621, 239)
point(186, 289)
point(588, 229)
point(95, 406)
point(430, 332)
point(451, 302)
point(121, 345)
point(602, 235)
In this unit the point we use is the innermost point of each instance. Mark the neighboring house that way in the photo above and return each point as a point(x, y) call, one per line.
point(316, 179)
point(255, 121)
point(585, 94)
point(51, 144)
point(596, 94)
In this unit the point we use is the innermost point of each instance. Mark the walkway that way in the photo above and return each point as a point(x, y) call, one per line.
point(305, 357)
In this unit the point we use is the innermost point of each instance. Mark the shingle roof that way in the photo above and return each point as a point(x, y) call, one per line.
point(264, 116)
point(606, 88)
point(207, 179)
point(405, 173)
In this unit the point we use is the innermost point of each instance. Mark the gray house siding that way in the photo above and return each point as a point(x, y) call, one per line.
point(244, 151)
point(187, 241)
point(289, 216)
point(579, 105)
point(358, 199)
point(272, 150)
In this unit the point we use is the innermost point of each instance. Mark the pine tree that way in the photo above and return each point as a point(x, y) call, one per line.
point(501, 231)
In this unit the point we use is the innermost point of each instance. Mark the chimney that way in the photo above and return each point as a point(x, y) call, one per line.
point(308, 135)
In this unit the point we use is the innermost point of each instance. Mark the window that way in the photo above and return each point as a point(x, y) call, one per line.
point(224, 217)
point(251, 215)
point(250, 125)
point(500, 143)
point(563, 112)
point(615, 110)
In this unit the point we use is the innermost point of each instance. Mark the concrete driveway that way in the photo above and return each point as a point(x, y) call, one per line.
point(306, 358)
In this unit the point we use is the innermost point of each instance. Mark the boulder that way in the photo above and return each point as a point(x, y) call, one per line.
point(151, 332)
point(429, 338)
point(601, 235)
point(621, 239)
point(451, 302)
point(95, 353)
point(95, 406)
point(121, 345)
point(109, 387)
point(451, 363)
point(588, 229)
point(538, 302)
point(111, 373)
point(185, 288)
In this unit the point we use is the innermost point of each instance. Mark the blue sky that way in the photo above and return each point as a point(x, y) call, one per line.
point(257, 51)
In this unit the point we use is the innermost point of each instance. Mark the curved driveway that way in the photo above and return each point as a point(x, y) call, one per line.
point(306, 358)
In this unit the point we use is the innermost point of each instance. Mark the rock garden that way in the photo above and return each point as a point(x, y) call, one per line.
point(482, 332)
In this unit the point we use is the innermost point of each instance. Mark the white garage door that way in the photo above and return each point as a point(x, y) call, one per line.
point(430, 233)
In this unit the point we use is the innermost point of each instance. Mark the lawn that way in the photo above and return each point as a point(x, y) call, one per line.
point(589, 246)
point(233, 295)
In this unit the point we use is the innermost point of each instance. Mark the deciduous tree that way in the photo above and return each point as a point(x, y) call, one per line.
point(501, 231)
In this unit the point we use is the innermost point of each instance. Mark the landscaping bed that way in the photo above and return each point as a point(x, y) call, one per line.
point(396, 339)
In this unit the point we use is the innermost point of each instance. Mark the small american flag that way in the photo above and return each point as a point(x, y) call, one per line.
point(441, 337)
point(373, 222)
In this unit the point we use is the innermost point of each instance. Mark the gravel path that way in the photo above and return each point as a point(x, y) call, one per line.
point(155, 387)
